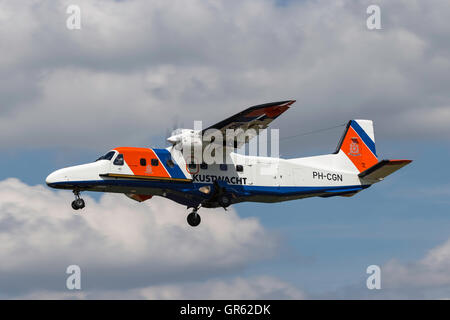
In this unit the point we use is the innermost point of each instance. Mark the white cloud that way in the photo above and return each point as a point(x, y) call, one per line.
point(253, 288)
point(426, 278)
point(118, 243)
point(238, 288)
point(430, 271)
point(136, 65)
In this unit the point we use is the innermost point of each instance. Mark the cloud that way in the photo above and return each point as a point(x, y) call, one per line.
point(430, 271)
point(253, 288)
point(136, 65)
point(118, 244)
point(426, 278)
point(238, 288)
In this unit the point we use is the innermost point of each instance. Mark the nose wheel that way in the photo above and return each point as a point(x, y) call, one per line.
point(78, 203)
point(193, 218)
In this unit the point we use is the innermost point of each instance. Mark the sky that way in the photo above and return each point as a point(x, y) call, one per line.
point(136, 69)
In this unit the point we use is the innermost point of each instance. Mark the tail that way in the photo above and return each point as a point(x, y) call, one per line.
point(358, 144)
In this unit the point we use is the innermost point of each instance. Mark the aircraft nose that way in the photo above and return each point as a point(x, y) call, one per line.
point(65, 177)
point(53, 178)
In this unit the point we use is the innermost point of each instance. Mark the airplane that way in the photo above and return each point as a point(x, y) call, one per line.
point(175, 174)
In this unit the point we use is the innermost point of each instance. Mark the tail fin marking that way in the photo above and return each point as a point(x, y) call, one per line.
point(358, 144)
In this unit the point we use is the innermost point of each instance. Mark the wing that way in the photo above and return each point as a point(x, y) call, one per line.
point(251, 121)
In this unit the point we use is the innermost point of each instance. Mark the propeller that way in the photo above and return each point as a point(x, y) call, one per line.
point(169, 132)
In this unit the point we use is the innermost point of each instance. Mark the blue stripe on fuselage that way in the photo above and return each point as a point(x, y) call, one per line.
point(192, 189)
point(364, 136)
point(164, 155)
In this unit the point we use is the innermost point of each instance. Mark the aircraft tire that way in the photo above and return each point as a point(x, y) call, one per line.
point(78, 204)
point(74, 205)
point(193, 219)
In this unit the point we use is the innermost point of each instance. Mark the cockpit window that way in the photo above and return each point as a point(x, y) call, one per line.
point(119, 160)
point(107, 156)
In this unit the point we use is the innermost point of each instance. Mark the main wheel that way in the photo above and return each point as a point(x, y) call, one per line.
point(80, 203)
point(74, 205)
point(193, 219)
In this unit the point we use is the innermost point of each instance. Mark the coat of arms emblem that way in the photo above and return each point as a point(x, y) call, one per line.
point(354, 147)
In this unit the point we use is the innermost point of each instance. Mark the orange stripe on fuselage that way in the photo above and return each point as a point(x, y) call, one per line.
point(361, 156)
point(133, 156)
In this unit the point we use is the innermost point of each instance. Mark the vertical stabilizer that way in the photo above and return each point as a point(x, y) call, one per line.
point(358, 144)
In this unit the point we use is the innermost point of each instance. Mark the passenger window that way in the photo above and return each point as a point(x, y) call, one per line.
point(119, 160)
point(239, 168)
point(143, 162)
point(223, 167)
point(154, 162)
point(203, 166)
point(170, 163)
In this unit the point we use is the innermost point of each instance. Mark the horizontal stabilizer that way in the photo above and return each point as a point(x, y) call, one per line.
point(382, 169)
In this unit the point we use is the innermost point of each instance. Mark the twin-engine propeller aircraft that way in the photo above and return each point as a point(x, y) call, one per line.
point(177, 174)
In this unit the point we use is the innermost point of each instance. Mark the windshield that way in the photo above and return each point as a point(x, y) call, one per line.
point(107, 156)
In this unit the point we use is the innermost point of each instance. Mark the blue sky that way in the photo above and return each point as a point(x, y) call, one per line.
point(136, 68)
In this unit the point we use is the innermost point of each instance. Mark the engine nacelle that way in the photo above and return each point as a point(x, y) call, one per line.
point(189, 142)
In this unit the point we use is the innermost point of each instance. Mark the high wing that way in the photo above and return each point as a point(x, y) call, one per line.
point(257, 118)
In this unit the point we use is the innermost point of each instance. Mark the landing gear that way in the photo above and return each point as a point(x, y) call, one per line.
point(220, 196)
point(78, 203)
point(193, 218)
point(224, 201)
